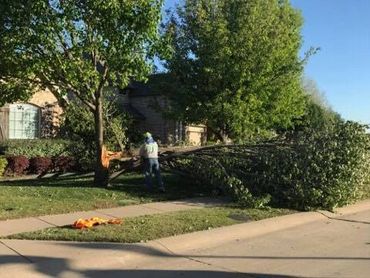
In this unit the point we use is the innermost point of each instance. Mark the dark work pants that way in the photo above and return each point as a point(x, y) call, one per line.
point(151, 165)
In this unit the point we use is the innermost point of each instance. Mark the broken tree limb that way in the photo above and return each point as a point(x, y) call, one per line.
point(132, 164)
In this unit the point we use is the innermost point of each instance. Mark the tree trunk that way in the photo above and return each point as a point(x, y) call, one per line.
point(222, 136)
point(101, 177)
point(225, 138)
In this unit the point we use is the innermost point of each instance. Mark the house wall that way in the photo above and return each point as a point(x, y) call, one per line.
point(50, 112)
point(165, 130)
point(4, 122)
point(42, 98)
point(196, 134)
point(154, 121)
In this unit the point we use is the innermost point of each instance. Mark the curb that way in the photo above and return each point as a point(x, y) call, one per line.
point(218, 236)
point(223, 235)
point(355, 208)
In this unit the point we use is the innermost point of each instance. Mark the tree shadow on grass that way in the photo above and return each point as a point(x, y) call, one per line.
point(132, 184)
point(77, 181)
point(176, 187)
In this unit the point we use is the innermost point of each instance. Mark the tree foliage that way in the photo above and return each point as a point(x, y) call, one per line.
point(312, 169)
point(77, 47)
point(237, 65)
point(318, 113)
point(318, 168)
point(78, 126)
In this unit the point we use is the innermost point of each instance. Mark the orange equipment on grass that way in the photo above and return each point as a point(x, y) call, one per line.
point(94, 221)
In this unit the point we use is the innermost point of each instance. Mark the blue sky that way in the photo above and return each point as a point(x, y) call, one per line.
point(341, 28)
point(341, 69)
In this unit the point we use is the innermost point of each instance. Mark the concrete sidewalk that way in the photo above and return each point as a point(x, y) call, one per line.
point(14, 226)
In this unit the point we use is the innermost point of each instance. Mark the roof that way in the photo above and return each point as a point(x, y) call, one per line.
point(156, 85)
point(140, 89)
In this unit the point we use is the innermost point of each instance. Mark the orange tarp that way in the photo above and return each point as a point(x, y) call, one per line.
point(94, 221)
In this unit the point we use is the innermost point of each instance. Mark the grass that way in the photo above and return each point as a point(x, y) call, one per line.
point(144, 228)
point(23, 198)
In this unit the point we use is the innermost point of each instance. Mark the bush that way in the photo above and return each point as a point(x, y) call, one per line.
point(40, 165)
point(3, 164)
point(17, 165)
point(64, 164)
point(35, 147)
point(84, 155)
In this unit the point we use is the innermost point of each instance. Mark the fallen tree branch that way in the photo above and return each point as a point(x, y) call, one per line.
point(168, 156)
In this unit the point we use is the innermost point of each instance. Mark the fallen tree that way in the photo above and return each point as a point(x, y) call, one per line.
point(221, 168)
point(307, 170)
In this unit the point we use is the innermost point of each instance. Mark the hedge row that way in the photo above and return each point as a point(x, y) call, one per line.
point(36, 156)
point(20, 165)
point(36, 147)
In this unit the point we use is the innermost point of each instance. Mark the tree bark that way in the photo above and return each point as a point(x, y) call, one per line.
point(222, 136)
point(101, 177)
point(225, 138)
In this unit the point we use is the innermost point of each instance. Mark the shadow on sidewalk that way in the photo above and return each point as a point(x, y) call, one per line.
point(64, 266)
point(58, 267)
point(177, 273)
point(343, 219)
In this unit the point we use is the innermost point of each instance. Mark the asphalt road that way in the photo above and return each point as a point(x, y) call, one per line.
point(326, 248)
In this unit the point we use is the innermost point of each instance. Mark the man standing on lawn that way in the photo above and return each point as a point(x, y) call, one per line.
point(149, 152)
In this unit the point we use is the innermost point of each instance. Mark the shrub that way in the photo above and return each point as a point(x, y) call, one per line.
point(86, 164)
point(84, 156)
point(35, 147)
point(3, 164)
point(17, 165)
point(64, 164)
point(40, 165)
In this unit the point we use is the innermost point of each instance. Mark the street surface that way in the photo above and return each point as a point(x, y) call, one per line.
point(324, 247)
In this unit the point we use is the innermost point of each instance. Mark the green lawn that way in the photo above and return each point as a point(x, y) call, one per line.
point(62, 195)
point(143, 228)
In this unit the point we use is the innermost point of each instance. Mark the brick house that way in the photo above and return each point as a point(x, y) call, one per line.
point(147, 102)
point(39, 117)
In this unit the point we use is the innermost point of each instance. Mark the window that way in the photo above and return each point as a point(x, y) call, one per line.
point(24, 121)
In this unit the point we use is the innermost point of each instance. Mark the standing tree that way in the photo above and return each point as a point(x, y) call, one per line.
point(318, 113)
point(78, 47)
point(237, 65)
